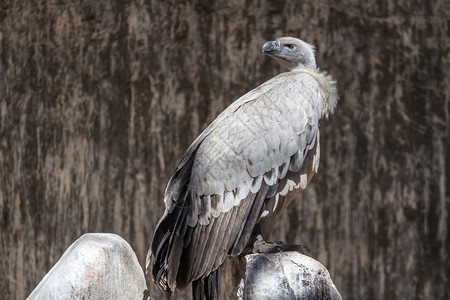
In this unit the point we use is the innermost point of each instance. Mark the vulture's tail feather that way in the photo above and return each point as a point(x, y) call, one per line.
point(173, 233)
point(207, 288)
point(167, 247)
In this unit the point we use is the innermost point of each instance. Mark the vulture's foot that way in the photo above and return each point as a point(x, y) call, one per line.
point(261, 246)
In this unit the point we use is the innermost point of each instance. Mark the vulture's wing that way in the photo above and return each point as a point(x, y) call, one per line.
point(253, 152)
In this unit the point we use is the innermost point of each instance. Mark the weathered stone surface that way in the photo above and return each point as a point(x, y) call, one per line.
point(283, 275)
point(96, 266)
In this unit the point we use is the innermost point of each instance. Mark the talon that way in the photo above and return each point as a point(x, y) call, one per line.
point(261, 246)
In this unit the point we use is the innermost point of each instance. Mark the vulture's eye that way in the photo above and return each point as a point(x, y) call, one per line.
point(291, 46)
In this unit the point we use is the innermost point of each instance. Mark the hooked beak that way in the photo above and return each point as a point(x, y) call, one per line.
point(270, 47)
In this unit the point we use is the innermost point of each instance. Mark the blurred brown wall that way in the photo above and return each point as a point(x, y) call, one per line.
point(99, 100)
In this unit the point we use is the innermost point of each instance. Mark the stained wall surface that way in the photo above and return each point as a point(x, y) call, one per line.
point(100, 99)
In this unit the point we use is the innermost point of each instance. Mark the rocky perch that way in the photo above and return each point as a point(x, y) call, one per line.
point(104, 266)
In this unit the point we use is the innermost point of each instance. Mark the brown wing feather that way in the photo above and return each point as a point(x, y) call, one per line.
point(235, 225)
point(275, 207)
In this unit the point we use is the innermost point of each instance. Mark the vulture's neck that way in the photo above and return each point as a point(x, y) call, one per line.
point(327, 88)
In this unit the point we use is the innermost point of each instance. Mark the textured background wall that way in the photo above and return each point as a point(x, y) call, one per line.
point(99, 100)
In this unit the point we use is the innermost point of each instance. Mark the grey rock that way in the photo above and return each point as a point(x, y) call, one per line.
point(286, 275)
point(96, 266)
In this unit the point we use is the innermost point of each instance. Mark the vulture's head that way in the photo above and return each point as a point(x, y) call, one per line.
point(291, 52)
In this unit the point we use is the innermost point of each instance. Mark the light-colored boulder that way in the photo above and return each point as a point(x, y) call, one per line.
point(96, 266)
point(282, 275)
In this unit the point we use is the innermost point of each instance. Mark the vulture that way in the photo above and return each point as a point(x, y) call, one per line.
point(241, 173)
